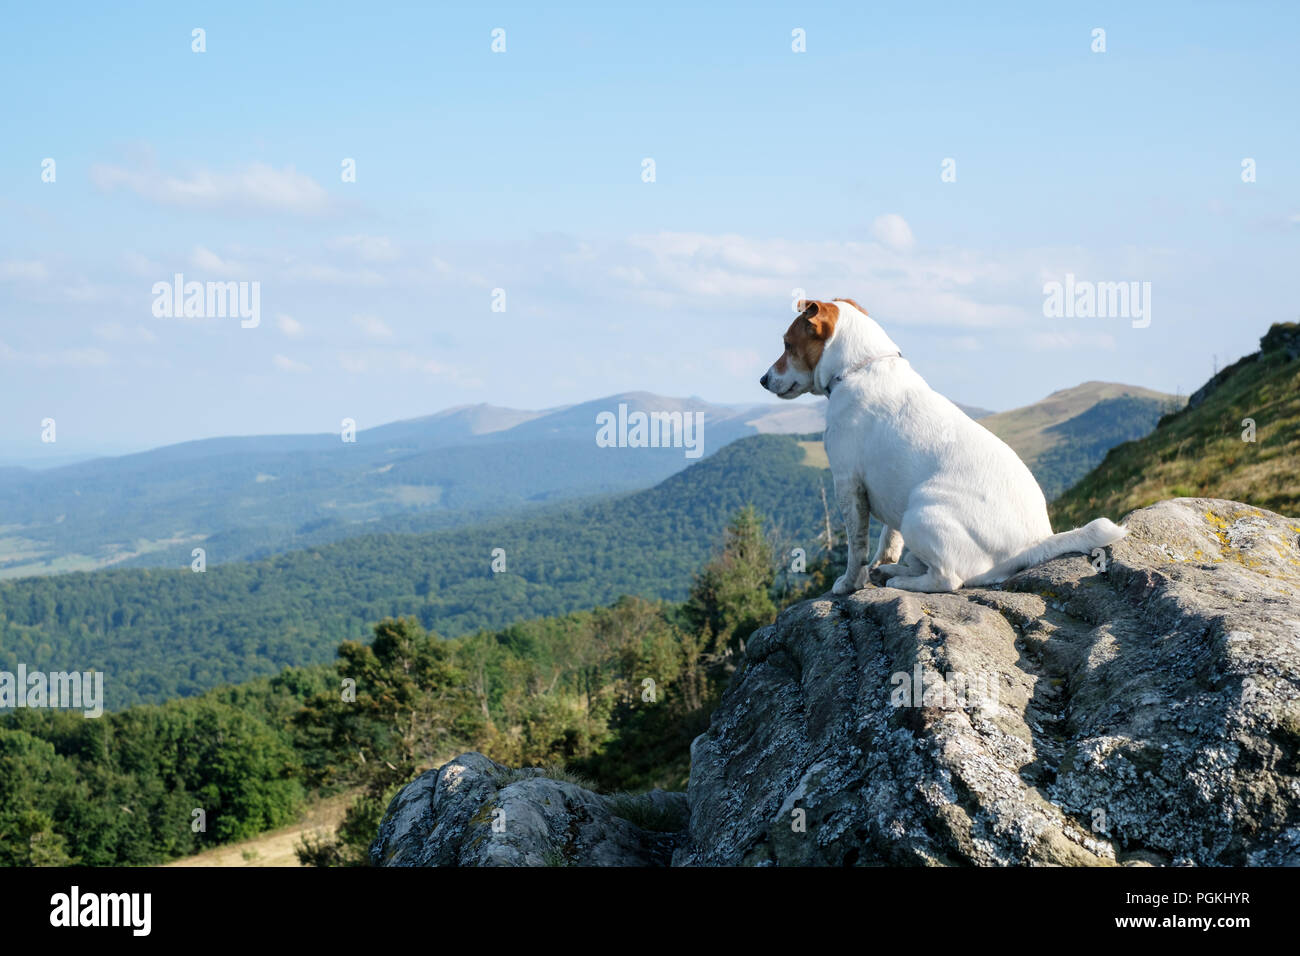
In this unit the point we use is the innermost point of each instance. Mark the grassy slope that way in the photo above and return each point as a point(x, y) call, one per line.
point(1200, 452)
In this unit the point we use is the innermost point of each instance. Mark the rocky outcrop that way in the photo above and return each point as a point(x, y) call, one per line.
point(1284, 336)
point(1136, 707)
point(475, 812)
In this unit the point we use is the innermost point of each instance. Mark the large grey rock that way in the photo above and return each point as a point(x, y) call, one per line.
point(475, 812)
point(1139, 707)
point(1144, 713)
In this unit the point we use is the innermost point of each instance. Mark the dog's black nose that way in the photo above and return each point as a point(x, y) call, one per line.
point(763, 381)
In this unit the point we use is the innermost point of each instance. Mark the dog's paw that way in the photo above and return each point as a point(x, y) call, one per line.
point(880, 573)
point(848, 582)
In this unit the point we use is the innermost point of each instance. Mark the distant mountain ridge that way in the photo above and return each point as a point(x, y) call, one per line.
point(244, 498)
point(247, 497)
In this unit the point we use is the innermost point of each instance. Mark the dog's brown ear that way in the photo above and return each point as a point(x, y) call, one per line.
point(820, 316)
point(852, 303)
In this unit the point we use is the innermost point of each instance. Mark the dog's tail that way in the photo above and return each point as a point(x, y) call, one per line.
point(1095, 534)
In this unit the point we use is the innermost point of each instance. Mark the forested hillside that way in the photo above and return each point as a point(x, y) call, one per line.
point(616, 694)
point(122, 789)
point(162, 634)
point(1080, 443)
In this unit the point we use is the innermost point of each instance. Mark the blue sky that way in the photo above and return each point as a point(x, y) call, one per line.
point(522, 171)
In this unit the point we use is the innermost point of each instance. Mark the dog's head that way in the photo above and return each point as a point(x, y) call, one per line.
point(791, 375)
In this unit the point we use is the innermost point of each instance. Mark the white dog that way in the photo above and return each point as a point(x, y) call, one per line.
point(964, 505)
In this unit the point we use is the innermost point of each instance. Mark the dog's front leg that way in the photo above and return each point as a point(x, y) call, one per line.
point(852, 497)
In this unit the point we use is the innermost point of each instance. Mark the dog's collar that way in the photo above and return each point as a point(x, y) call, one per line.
point(857, 368)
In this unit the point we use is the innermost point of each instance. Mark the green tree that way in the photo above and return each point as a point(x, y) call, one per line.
point(34, 783)
point(407, 707)
point(732, 595)
point(649, 740)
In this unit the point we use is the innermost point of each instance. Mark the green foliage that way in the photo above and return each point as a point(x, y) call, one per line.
point(121, 789)
point(649, 742)
point(732, 595)
point(402, 700)
point(607, 698)
point(36, 785)
point(636, 809)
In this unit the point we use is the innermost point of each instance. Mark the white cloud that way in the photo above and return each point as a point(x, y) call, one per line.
point(141, 265)
point(1052, 341)
point(83, 291)
point(267, 266)
point(390, 360)
point(373, 326)
point(286, 364)
point(414, 363)
point(313, 272)
point(115, 332)
point(73, 358)
point(738, 362)
point(289, 326)
point(351, 362)
point(629, 274)
point(368, 248)
point(673, 271)
point(257, 187)
point(892, 230)
point(24, 271)
point(209, 261)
